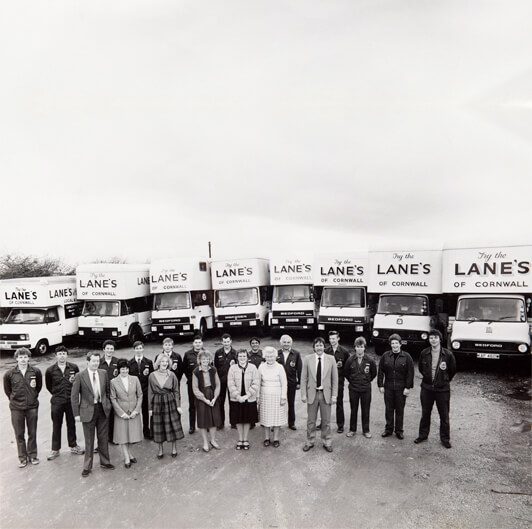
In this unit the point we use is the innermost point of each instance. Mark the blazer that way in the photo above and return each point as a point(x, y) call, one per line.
point(82, 397)
point(146, 367)
point(292, 367)
point(329, 378)
point(126, 401)
point(251, 382)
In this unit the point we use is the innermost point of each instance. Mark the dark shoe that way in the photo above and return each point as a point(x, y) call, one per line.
point(132, 460)
point(420, 440)
point(127, 465)
point(386, 434)
point(233, 426)
point(107, 466)
point(399, 435)
point(160, 456)
point(174, 454)
point(23, 463)
point(266, 442)
point(340, 429)
point(328, 448)
point(447, 444)
point(85, 473)
point(306, 447)
point(276, 444)
point(245, 445)
point(292, 427)
point(96, 450)
point(35, 460)
point(191, 431)
point(318, 426)
point(238, 445)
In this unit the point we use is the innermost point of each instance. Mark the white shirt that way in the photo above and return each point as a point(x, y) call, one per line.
point(95, 388)
point(138, 359)
point(285, 355)
point(322, 367)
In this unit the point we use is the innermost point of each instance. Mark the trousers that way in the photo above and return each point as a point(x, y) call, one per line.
point(364, 399)
point(20, 419)
point(394, 403)
point(442, 399)
point(59, 411)
point(99, 424)
point(325, 414)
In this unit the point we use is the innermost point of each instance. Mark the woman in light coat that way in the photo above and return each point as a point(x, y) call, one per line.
point(126, 398)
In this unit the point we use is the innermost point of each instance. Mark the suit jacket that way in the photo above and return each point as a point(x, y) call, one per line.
point(126, 401)
point(329, 378)
point(146, 367)
point(292, 367)
point(82, 397)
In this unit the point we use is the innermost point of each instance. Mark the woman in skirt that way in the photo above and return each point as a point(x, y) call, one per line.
point(206, 389)
point(243, 386)
point(126, 398)
point(164, 405)
point(273, 411)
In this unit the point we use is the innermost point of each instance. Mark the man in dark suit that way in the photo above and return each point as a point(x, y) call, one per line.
point(290, 359)
point(190, 362)
point(141, 367)
point(92, 407)
point(341, 355)
point(224, 358)
point(110, 364)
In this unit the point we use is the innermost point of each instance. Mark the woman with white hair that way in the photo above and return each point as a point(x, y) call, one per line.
point(273, 411)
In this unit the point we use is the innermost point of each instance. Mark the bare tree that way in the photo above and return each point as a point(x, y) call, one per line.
point(12, 266)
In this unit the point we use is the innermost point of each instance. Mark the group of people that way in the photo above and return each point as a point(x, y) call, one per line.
point(121, 401)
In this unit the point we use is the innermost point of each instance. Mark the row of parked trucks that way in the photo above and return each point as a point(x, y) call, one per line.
point(480, 298)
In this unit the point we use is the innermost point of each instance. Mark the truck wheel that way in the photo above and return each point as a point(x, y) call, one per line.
point(42, 347)
point(135, 334)
point(202, 328)
point(379, 349)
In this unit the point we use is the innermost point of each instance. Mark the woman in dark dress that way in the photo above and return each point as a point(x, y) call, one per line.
point(206, 389)
point(164, 405)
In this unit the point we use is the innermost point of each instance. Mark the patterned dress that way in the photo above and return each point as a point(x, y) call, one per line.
point(272, 389)
point(164, 401)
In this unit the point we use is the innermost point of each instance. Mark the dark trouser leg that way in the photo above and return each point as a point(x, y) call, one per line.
point(88, 434)
point(191, 406)
point(57, 424)
point(110, 426)
point(18, 420)
point(389, 402)
point(399, 403)
point(365, 402)
point(353, 402)
point(443, 399)
point(221, 398)
point(31, 422)
point(340, 417)
point(291, 397)
point(102, 432)
point(427, 401)
point(145, 415)
point(71, 425)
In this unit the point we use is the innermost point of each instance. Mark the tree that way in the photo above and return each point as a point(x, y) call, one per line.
point(13, 266)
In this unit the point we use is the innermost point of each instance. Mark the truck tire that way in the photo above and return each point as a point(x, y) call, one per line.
point(135, 334)
point(41, 348)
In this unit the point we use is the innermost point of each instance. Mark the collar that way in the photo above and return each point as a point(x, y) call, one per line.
point(139, 359)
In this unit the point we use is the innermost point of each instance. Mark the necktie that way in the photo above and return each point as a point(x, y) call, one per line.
point(96, 388)
point(318, 373)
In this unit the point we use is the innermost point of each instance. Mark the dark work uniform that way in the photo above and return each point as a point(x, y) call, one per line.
point(292, 367)
point(359, 376)
point(23, 394)
point(396, 372)
point(59, 384)
point(190, 362)
point(256, 358)
point(222, 363)
point(341, 355)
point(142, 372)
point(112, 371)
point(437, 390)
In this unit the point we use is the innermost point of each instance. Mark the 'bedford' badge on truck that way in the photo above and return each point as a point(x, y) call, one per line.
point(489, 329)
point(399, 321)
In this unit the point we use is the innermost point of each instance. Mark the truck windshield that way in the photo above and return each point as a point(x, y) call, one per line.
point(342, 297)
point(237, 297)
point(292, 293)
point(491, 309)
point(403, 305)
point(171, 301)
point(26, 316)
point(101, 308)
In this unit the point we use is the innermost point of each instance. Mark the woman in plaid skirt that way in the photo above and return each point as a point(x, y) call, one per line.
point(164, 405)
point(273, 411)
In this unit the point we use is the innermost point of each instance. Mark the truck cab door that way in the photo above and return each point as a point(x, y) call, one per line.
point(54, 326)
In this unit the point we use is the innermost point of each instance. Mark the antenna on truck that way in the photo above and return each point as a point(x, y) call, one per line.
point(210, 250)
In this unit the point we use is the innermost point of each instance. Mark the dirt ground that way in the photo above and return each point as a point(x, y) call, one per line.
point(482, 482)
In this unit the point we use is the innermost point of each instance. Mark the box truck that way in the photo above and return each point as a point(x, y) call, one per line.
point(493, 289)
point(340, 281)
point(242, 294)
point(293, 301)
point(182, 297)
point(43, 311)
point(117, 301)
point(410, 301)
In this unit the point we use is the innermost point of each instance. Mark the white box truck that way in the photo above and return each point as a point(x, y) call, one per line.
point(293, 301)
point(117, 301)
point(410, 301)
point(242, 294)
point(493, 286)
point(340, 281)
point(43, 311)
point(182, 297)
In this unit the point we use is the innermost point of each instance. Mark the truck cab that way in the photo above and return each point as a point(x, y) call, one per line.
point(293, 307)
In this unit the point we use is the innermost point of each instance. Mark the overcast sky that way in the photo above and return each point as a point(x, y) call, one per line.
point(144, 129)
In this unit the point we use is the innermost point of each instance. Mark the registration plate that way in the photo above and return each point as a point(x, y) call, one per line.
point(97, 329)
point(169, 327)
point(493, 356)
point(236, 323)
point(292, 320)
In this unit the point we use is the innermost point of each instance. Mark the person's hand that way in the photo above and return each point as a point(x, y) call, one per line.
point(381, 390)
point(333, 400)
point(78, 418)
point(283, 401)
point(179, 410)
point(211, 403)
point(406, 392)
point(297, 386)
point(133, 414)
point(150, 413)
point(303, 400)
point(124, 416)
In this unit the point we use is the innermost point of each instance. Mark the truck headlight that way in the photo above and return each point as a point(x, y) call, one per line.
point(186, 327)
point(252, 323)
point(154, 329)
point(424, 335)
point(522, 348)
point(375, 333)
point(359, 328)
point(456, 344)
point(219, 325)
point(114, 333)
point(310, 320)
point(24, 337)
point(81, 333)
point(275, 321)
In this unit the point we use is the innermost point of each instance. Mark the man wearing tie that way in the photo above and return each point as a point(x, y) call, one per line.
point(141, 367)
point(290, 359)
point(91, 405)
point(319, 386)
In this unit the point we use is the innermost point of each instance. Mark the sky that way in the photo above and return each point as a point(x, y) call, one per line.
point(146, 129)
